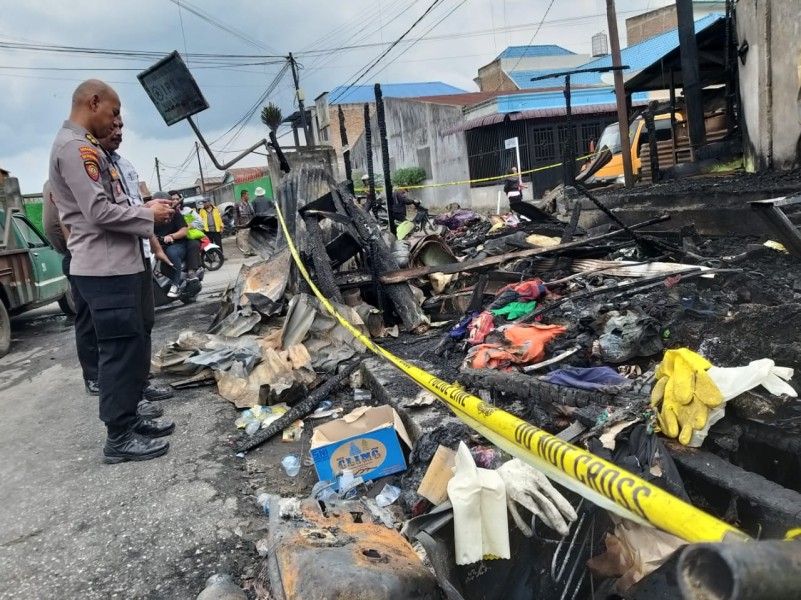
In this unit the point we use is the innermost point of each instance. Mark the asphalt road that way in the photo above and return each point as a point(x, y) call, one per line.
point(73, 527)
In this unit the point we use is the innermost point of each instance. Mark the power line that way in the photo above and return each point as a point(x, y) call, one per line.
point(531, 41)
point(359, 76)
point(222, 26)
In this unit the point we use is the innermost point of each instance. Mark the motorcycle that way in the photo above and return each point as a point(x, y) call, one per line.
point(188, 290)
point(211, 256)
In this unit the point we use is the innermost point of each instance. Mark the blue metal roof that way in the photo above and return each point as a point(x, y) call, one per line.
point(359, 94)
point(540, 50)
point(582, 97)
point(636, 57)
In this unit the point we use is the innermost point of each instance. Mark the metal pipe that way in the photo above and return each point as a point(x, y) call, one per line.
point(273, 143)
point(741, 571)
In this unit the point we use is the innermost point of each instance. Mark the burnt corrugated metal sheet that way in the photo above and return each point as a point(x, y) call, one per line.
point(539, 113)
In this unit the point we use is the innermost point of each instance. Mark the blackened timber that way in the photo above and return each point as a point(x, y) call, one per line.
point(381, 259)
point(475, 264)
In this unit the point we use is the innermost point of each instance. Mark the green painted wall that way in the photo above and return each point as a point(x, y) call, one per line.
point(251, 186)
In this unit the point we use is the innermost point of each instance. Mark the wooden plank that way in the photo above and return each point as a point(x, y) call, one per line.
point(472, 265)
point(434, 486)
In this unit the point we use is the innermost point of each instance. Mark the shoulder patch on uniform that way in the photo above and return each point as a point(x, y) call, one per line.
point(92, 139)
point(89, 149)
point(92, 169)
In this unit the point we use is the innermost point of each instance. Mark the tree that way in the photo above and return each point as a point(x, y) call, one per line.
point(271, 116)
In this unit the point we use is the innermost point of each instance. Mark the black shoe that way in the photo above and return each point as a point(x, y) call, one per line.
point(154, 393)
point(148, 410)
point(92, 387)
point(132, 446)
point(150, 428)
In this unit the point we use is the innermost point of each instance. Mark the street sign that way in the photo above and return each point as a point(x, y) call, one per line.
point(510, 143)
point(172, 89)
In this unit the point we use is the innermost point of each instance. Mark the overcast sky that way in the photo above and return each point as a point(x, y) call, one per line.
point(36, 86)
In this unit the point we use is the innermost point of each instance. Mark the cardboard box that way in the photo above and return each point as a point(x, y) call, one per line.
point(365, 441)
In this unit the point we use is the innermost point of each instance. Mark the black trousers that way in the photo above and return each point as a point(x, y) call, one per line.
point(216, 238)
point(116, 304)
point(193, 254)
point(85, 338)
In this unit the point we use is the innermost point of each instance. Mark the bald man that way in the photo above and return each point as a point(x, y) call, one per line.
point(108, 266)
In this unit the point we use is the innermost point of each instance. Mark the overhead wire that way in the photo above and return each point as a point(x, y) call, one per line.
point(530, 42)
point(366, 70)
point(241, 35)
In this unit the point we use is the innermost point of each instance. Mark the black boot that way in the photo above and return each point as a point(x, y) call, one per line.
point(148, 410)
point(132, 446)
point(92, 387)
point(151, 428)
point(153, 392)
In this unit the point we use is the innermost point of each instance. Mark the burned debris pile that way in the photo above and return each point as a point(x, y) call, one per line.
point(667, 355)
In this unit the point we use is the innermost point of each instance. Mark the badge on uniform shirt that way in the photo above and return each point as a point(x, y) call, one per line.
point(114, 173)
point(92, 139)
point(92, 169)
point(88, 150)
point(118, 188)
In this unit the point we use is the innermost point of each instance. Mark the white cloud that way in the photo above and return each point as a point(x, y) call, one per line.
point(33, 103)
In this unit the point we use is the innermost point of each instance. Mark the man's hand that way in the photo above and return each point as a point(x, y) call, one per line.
point(161, 256)
point(162, 213)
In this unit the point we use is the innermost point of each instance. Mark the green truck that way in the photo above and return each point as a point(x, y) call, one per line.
point(30, 269)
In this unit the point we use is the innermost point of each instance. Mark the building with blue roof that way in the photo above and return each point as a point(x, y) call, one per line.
point(494, 76)
point(636, 57)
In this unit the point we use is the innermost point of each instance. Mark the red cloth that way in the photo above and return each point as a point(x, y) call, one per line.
point(527, 291)
point(525, 344)
point(480, 327)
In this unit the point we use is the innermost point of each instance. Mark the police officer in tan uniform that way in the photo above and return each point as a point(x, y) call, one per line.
point(108, 266)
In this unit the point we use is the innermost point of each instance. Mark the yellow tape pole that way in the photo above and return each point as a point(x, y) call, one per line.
point(600, 481)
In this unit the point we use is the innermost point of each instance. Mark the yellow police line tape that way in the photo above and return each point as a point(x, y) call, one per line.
point(593, 478)
point(482, 180)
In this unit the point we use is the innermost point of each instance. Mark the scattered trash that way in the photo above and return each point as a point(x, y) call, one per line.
point(293, 433)
point(291, 464)
point(361, 395)
point(388, 495)
point(367, 439)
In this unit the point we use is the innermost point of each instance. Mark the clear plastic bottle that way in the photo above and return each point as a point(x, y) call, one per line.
point(252, 427)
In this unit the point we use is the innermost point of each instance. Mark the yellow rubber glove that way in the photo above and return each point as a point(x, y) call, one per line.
point(685, 392)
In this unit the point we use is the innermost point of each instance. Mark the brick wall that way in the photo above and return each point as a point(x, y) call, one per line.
point(643, 27)
point(492, 78)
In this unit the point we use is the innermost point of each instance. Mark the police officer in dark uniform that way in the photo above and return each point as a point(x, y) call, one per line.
point(108, 267)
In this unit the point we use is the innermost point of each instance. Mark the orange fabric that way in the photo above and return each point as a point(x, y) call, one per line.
point(526, 344)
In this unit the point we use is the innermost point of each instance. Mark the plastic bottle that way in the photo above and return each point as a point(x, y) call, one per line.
point(252, 427)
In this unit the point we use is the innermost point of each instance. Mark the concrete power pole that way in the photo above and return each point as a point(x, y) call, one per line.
point(620, 93)
point(299, 94)
point(200, 166)
point(158, 173)
point(690, 75)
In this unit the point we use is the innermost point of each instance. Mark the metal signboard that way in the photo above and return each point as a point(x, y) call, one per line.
point(510, 143)
point(172, 89)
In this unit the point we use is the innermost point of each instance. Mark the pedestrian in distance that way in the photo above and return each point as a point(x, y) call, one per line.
point(108, 266)
point(261, 205)
point(212, 222)
point(243, 215)
point(513, 186)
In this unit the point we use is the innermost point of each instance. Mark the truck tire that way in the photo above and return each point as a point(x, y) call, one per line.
point(67, 303)
point(5, 331)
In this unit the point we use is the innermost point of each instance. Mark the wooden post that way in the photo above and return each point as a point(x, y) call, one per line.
point(652, 146)
point(620, 93)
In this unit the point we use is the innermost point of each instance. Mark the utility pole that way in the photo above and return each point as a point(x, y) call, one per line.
point(299, 94)
point(620, 93)
point(691, 76)
point(158, 173)
point(200, 166)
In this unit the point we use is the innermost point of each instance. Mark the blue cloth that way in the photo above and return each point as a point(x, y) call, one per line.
point(600, 379)
point(460, 329)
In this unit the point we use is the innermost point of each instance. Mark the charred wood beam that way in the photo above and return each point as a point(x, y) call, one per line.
point(324, 275)
point(399, 293)
point(476, 264)
point(776, 503)
point(300, 410)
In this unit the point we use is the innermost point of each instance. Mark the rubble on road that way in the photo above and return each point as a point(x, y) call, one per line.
point(668, 355)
